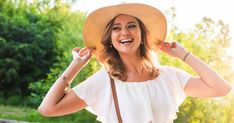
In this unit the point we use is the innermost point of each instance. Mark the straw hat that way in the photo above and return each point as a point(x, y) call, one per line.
point(153, 19)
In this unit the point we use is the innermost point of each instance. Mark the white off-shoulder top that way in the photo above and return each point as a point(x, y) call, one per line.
point(152, 101)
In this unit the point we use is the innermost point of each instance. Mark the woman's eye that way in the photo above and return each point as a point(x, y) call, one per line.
point(116, 28)
point(132, 26)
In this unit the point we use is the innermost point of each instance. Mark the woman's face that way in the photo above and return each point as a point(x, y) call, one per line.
point(126, 34)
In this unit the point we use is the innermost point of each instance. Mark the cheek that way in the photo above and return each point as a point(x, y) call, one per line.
point(114, 37)
point(139, 34)
point(138, 38)
point(115, 44)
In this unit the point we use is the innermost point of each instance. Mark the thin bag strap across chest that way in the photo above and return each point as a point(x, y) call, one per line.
point(115, 100)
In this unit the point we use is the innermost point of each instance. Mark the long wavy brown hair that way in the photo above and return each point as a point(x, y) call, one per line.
point(112, 61)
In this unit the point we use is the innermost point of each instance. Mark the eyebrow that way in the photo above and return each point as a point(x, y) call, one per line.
point(127, 23)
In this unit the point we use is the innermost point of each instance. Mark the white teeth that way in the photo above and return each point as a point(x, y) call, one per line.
point(126, 40)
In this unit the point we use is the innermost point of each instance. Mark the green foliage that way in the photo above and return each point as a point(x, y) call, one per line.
point(65, 28)
point(208, 41)
point(41, 87)
point(35, 47)
point(68, 37)
point(27, 47)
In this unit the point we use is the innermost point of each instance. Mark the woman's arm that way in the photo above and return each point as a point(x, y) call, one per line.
point(208, 84)
point(57, 101)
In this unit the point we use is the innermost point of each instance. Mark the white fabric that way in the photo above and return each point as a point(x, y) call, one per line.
point(152, 101)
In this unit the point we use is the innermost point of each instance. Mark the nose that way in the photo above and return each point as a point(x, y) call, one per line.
point(125, 32)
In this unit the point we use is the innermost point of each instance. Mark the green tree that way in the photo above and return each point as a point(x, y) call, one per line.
point(27, 46)
point(68, 37)
point(208, 41)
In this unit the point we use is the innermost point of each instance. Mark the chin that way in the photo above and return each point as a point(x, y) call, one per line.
point(127, 51)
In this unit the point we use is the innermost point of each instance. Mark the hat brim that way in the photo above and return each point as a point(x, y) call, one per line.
point(153, 19)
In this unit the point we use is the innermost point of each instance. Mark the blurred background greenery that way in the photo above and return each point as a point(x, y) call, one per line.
point(36, 39)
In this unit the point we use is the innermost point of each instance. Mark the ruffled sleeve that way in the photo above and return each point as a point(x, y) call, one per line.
point(95, 91)
point(178, 78)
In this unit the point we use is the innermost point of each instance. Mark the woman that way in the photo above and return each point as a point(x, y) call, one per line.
point(123, 38)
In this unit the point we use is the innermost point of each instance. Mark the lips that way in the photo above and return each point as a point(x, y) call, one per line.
point(124, 41)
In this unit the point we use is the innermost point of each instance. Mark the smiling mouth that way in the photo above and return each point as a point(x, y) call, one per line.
point(124, 41)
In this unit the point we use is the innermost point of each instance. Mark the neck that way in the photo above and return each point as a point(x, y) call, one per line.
point(132, 62)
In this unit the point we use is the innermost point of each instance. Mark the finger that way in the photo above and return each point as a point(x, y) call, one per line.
point(166, 45)
point(88, 52)
point(85, 52)
point(166, 48)
point(76, 49)
point(92, 49)
point(173, 45)
point(82, 51)
point(87, 56)
point(163, 48)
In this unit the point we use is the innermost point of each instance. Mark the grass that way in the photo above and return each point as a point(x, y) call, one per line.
point(31, 115)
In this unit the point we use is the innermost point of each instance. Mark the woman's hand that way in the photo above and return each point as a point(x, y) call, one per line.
point(174, 49)
point(83, 55)
point(59, 102)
